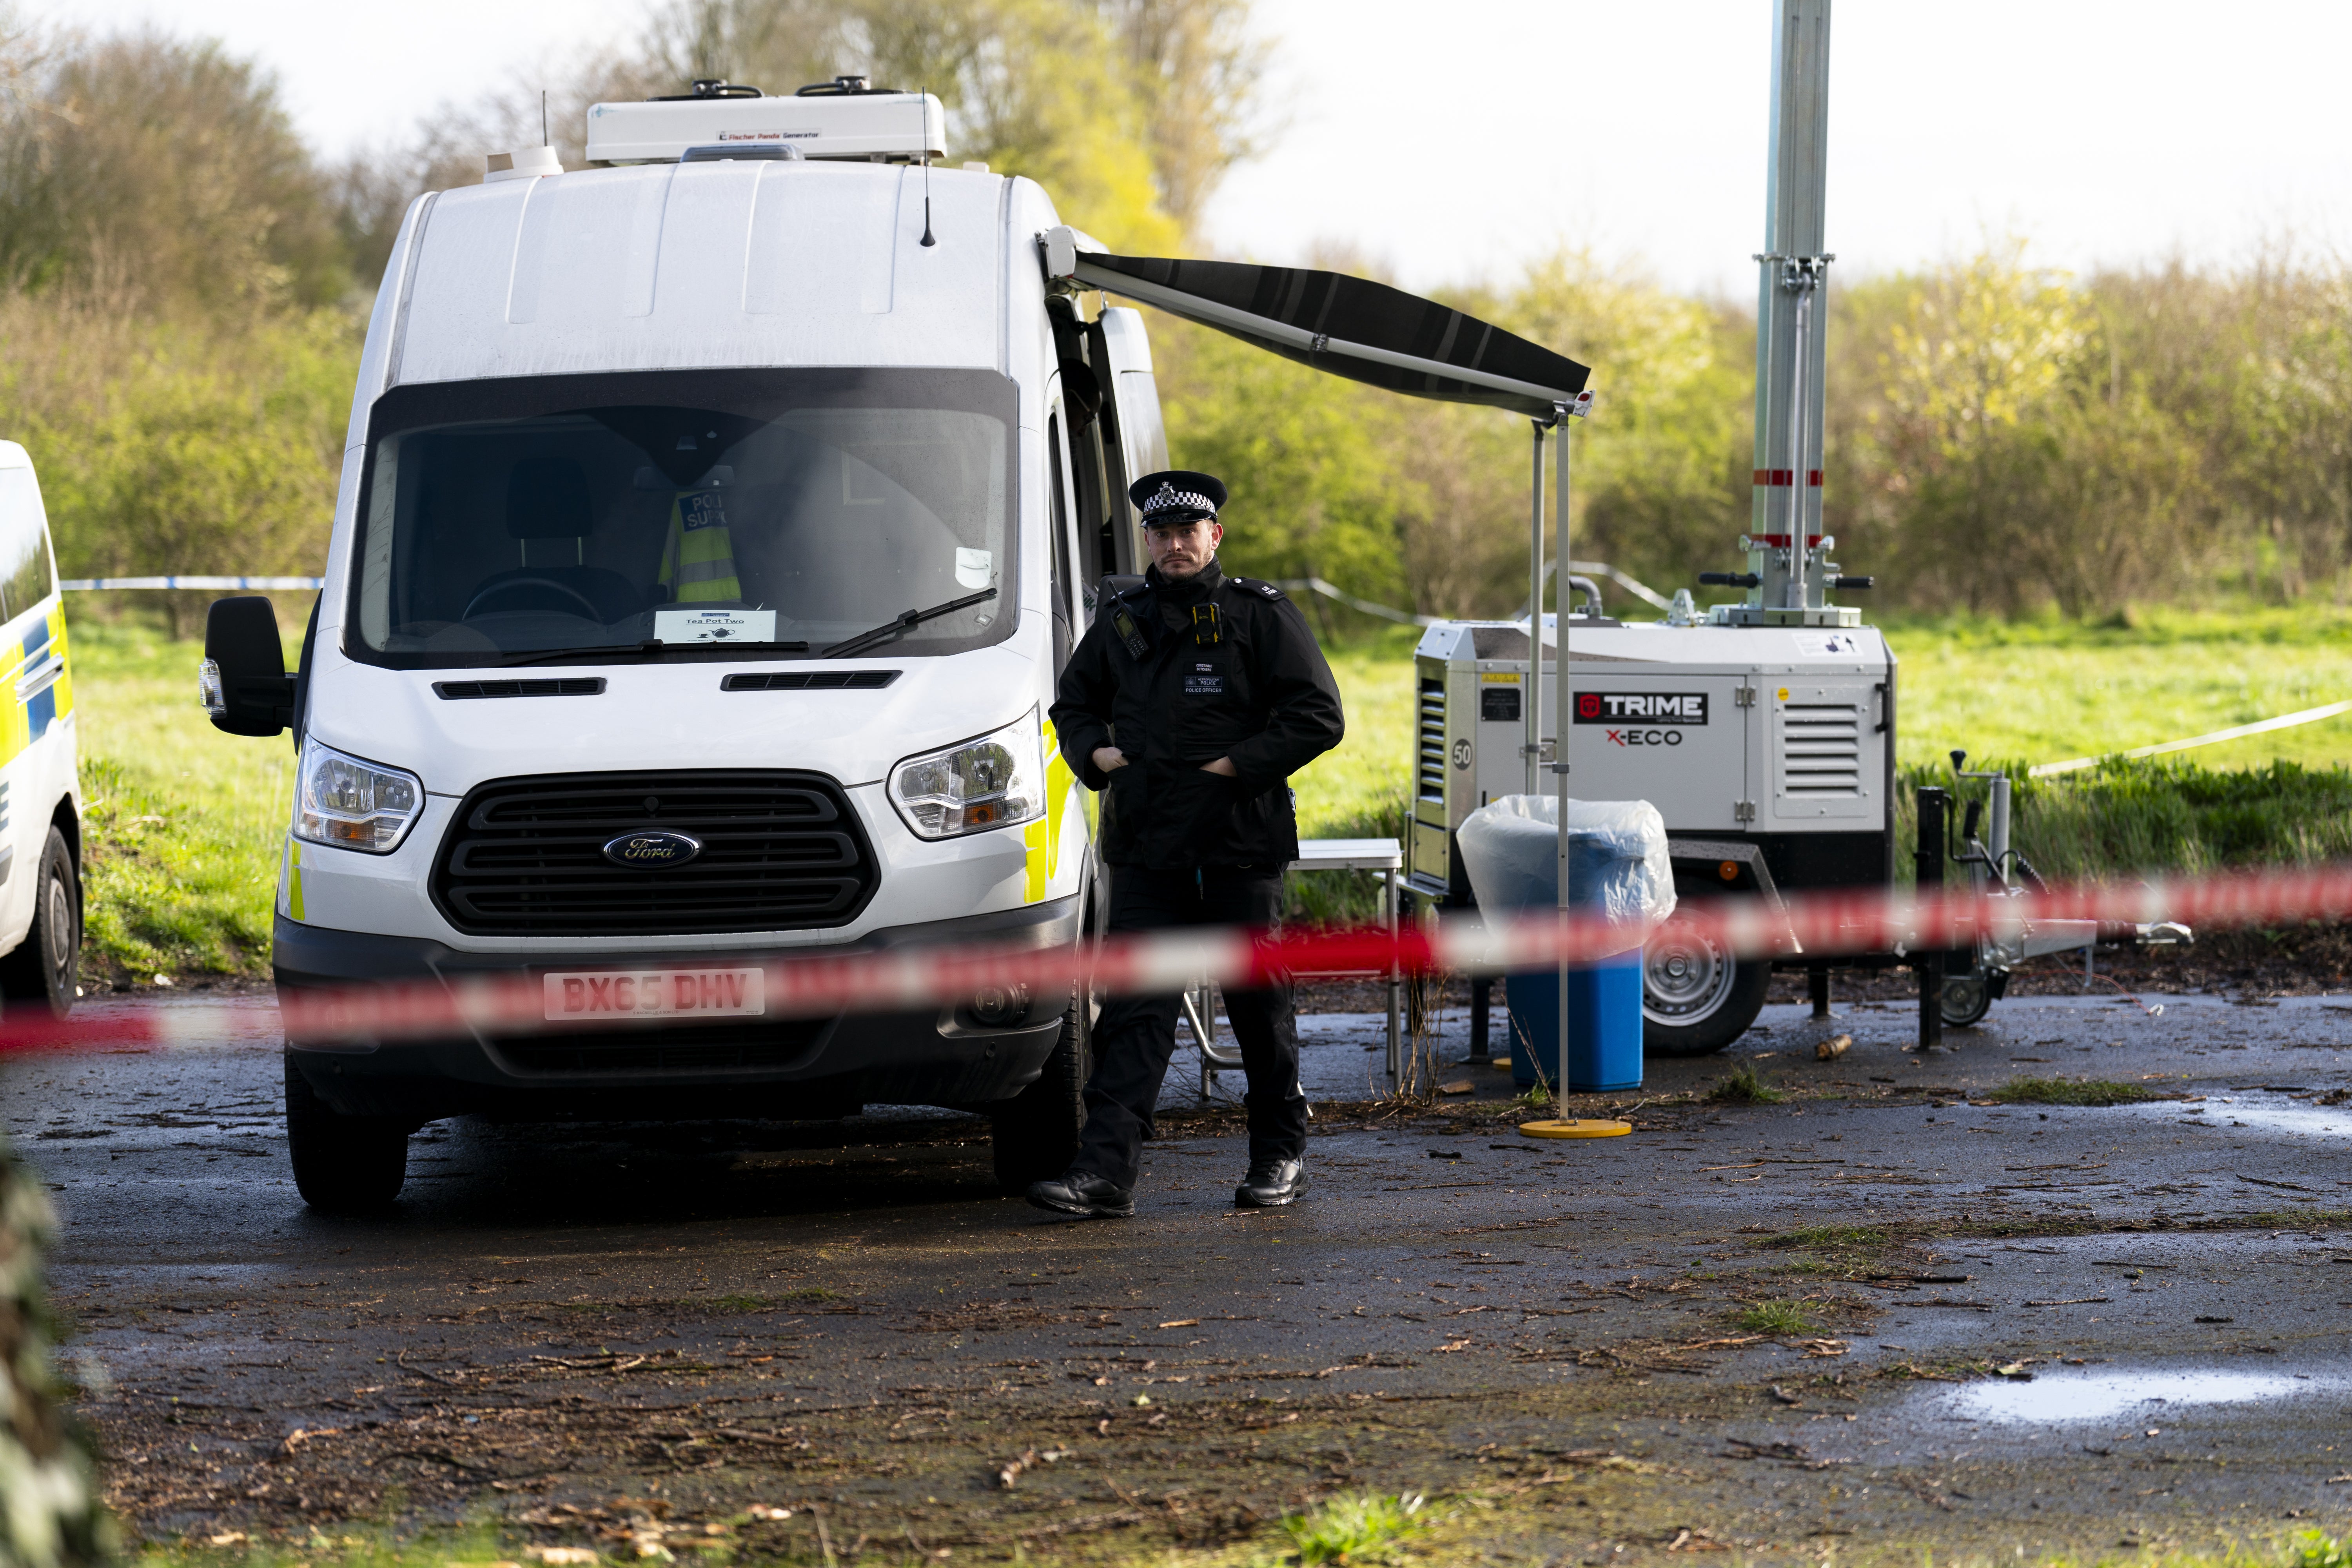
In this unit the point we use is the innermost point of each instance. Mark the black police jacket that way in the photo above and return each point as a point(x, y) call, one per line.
point(1241, 677)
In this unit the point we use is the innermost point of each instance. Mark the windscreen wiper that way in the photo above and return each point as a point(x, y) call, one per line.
point(625, 650)
point(905, 623)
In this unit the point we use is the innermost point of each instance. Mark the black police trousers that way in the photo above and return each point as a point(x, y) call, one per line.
point(1135, 1035)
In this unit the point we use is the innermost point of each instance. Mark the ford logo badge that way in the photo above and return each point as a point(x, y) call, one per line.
point(653, 851)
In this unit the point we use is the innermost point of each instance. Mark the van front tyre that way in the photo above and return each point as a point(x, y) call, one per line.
point(1035, 1135)
point(44, 966)
point(343, 1165)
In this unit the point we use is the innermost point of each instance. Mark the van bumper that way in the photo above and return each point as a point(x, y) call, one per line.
point(767, 1069)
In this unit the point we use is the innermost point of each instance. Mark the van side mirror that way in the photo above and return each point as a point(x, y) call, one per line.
point(243, 683)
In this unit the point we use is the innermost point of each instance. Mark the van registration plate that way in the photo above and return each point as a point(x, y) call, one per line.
point(615, 994)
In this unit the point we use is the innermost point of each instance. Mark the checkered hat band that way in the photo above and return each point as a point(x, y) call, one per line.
point(1167, 497)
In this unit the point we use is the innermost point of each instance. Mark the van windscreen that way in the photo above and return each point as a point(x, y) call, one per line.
point(604, 517)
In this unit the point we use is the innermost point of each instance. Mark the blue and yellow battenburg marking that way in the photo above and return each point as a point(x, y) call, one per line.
point(31, 717)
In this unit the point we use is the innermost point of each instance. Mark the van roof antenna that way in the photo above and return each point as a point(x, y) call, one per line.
point(543, 118)
point(923, 108)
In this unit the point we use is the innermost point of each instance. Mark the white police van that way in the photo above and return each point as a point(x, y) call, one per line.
point(41, 775)
point(711, 532)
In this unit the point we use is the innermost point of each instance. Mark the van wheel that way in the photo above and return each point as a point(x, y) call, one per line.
point(343, 1165)
point(45, 964)
point(1697, 997)
point(1035, 1134)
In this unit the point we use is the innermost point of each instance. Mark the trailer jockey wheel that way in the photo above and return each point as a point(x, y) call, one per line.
point(1967, 998)
point(1697, 998)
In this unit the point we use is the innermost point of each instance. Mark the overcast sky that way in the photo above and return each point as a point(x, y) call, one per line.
point(1453, 143)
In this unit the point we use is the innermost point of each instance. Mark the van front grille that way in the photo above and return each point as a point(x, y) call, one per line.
point(1820, 749)
point(780, 851)
point(1429, 772)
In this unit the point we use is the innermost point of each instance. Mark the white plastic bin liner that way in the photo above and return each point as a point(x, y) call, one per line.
point(1617, 863)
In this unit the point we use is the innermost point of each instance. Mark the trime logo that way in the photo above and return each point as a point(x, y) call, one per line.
point(1641, 707)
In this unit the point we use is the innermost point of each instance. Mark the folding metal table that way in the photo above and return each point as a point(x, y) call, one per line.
point(1385, 855)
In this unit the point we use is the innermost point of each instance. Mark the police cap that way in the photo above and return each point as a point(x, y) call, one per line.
point(1177, 496)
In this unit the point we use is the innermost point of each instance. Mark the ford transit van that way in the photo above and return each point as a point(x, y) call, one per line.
point(712, 529)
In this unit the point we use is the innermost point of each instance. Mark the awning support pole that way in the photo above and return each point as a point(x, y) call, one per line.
point(1531, 705)
point(1563, 694)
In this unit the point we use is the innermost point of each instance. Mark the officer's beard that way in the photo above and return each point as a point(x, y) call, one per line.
point(1175, 573)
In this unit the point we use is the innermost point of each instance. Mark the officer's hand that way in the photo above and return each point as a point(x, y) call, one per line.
point(1110, 759)
point(1224, 767)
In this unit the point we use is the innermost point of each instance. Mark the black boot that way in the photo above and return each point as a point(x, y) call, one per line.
point(1270, 1184)
point(1083, 1193)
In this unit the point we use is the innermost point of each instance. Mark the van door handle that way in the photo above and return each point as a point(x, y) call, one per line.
point(40, 679)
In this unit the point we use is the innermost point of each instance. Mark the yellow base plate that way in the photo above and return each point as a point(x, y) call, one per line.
point(1582, 1129)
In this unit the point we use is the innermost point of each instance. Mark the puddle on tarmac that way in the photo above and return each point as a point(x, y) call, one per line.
point(2102, 1396)
point(2277, 1115)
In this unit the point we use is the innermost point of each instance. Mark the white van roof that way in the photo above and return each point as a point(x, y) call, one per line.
point(688, 266)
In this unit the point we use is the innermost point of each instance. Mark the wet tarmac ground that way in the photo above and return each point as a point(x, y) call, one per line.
point(1877, 1316)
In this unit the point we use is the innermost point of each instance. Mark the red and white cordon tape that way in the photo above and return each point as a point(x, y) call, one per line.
point(918, 979)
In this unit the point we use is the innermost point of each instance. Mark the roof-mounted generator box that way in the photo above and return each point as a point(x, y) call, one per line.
point(862, 125)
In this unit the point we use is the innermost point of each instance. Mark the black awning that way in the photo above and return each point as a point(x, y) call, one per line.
point(1353, 327)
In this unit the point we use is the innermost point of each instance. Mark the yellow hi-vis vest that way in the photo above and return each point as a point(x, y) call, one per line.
point(699, 561)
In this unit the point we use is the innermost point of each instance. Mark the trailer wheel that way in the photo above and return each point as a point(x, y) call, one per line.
point(1697, 998)
point(1967, 998)
point(1035, 1135)
point(343, 1165)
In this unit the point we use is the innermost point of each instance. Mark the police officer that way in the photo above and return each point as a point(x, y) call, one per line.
point(1188, 703)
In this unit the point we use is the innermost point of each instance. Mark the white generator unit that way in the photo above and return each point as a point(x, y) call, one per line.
point(1763, 731)
point(1768, 750)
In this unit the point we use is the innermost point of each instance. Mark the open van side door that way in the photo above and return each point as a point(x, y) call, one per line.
point(1114, 430)
point(1134, 438)
point(1063, 579)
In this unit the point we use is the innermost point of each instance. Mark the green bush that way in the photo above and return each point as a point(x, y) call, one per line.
point(49, 1512)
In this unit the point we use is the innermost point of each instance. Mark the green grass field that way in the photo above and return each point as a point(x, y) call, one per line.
point(2039, 692)
point(186, 822)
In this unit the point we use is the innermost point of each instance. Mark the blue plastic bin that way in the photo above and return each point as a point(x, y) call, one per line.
point(1605, 1024)
point(1617, 869)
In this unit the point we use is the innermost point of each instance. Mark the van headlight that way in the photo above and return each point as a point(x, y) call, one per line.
point(994, 782)
point(353, 804)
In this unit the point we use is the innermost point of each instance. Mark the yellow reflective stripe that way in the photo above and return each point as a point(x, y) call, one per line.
point(1043, 839)
point(289, 878)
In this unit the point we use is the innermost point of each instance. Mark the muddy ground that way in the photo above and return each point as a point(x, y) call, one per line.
point(1880, 1317)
